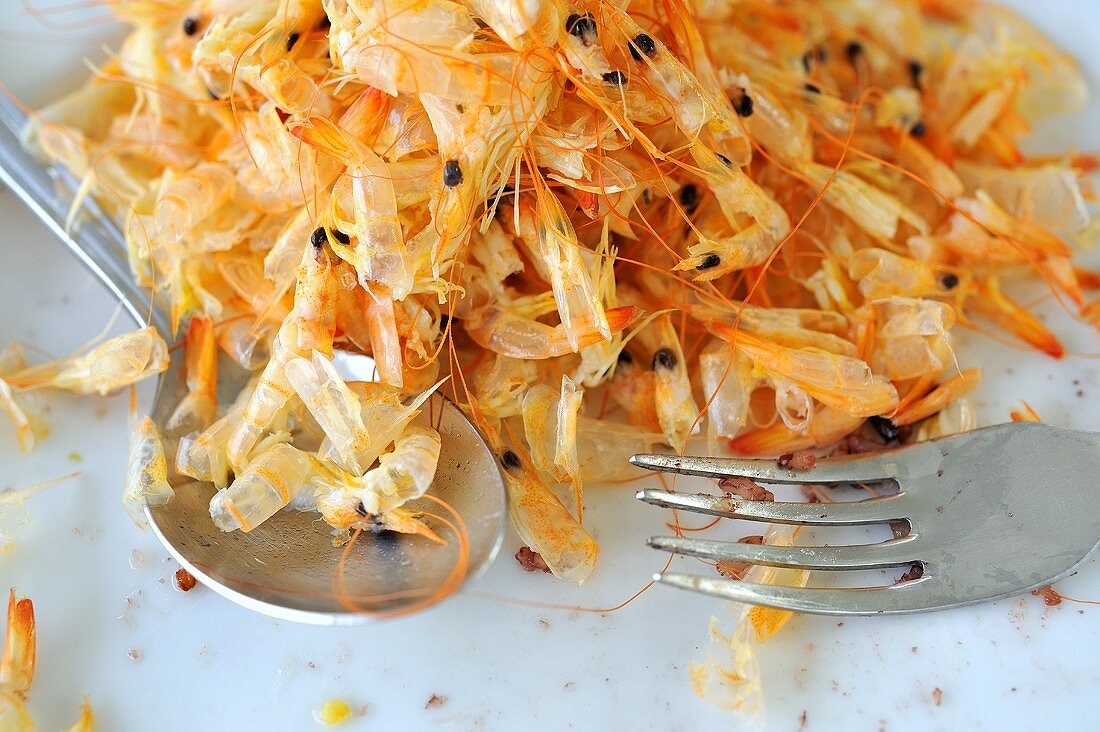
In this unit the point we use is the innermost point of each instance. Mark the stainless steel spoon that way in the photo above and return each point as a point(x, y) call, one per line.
point(286, 567)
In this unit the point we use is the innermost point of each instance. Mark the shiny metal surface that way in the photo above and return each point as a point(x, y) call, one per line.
point(994, 512)
point(287, 567)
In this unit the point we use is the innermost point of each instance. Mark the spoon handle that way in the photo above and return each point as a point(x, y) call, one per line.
point(94, 238)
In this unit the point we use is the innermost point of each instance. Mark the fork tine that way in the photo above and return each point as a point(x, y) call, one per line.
point(866, 468)
point(902, 597)
point(893, 553)
point(848, 513)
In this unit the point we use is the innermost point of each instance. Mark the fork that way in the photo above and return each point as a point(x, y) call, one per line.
point(991, 513)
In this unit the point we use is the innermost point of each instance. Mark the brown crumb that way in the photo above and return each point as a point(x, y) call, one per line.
point(736, 570)
point(797, 460)
point(133, 654)
point(915, 571)
point(746, 488)
point(813, 493)
point(857, 443)
point(435, 701)
point(1050, 597)
point(185, 581)
point(544, 623)
point(803, 720)
point(530, 560)
point(937, 696)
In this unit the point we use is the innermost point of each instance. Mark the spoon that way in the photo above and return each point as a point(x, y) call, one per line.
point(286, 567)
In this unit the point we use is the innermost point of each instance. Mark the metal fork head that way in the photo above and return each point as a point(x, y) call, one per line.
point(992, 513)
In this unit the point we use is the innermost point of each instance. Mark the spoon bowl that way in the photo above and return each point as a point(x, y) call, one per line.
point(288, 567)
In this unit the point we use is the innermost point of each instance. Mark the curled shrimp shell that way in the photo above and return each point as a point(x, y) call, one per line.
point(958, 416)
point(189, 199)
point(384, 416)
point(404, 473)
point(826, 427)
point(912, 337)
point(634, 389)
point(1049, 195)
point(579, 304)
point(271, 394)
point(116, 363)
point(265, 486)
point(677, 412)
point(364, 206)
point(315, 302)
point(938, 399)
point(509, 334)
point(871, 209)
point(501, 383)
point(728, 383)
point(204, 456)
point(385, 340)
point(198, 408)
point(544, 524)
point(146, 472)
point(793, 405)
point(565, 447)
point(603, 448)
point(881, 273)
point(738, 194)
point(842, 382)
point(520, 23)
point(335, 407)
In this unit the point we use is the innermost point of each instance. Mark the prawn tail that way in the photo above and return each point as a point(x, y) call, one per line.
point(17, 663)
point(325, 137)
point(618, 319)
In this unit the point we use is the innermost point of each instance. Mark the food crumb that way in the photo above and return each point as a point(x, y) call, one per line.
point(185, 581)
point(133, 654)
point(937, 696)
point(544, 623)
point(1050, 597)
point(797, 460)
point(803, 720)
point(913, 649)
point(736, 570)
point(435, 701)
point(530, 560)
point(745, 488)
point(333, 712)
point(570, 685)
point(914, 572)
point(75, 457)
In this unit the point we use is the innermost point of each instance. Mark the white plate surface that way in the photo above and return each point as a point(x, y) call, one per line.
point(102, 590)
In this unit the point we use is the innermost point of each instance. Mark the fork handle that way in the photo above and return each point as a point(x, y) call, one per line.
point(94, 239)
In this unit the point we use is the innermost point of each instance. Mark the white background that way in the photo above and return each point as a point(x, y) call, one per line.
point(204, 663)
